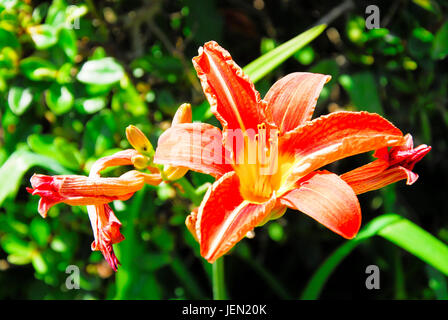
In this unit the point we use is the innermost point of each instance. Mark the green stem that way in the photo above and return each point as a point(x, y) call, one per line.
point(189, 191)
point(219, 288)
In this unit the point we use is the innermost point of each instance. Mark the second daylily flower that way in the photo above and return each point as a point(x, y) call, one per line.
point(266, 156)
point(97, 192)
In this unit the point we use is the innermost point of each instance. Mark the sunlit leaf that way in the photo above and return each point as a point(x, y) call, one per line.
point(38, 69)
point(260, 67)
point(58, 148)
point(90, 105)
point(67, 40)
point(44, 36)
point(19, 99)
point(59, 98)
point(104, 71)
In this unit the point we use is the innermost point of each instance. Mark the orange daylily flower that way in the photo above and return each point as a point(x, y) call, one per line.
point(95, 192)
point(266, 155)
point(391, 166)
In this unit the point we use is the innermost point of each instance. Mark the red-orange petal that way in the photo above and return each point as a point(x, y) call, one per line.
point(196, 146)
point(80, 190)
point(231, 94)
point(224, 217)
point(329, 200)
point(333, 137)
point(121, 158)
point(106, 231)
point(292, 99)
point(361, 184)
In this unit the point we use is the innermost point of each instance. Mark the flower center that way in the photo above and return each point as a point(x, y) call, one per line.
point(256, 164)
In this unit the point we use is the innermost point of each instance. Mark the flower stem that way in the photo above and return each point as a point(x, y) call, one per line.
point(189, 191)
point(219, 288)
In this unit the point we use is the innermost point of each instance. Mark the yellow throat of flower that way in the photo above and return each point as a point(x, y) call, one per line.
point(257, 165)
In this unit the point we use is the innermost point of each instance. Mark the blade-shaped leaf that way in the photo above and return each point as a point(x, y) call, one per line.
point(18, 164)
point(260, 67)
point(394, 228)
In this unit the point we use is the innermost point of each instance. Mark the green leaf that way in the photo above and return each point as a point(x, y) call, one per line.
point(418, 242)
point(8, 4)
point(58, 148)
point(90, 105)
point(39, 263)
point(38, 69)
point(260, 67)
point(394, 228)
point(56, 13)
point(104, 71)
point(40, 12)
point(429, 5)
point(355, 29)
point(64, 74)
point(363, 92)
point(17, 165)
point(305, 55)
point(40, 231)
point(59, 98)
point(438, 283)
point(8, 39)
point(99, 133)
point(12, 244)
point(67, 41)
point(44, 35)
point(19, 99)
point(440, 44)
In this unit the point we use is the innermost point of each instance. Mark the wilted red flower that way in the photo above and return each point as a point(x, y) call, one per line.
point(272, 164)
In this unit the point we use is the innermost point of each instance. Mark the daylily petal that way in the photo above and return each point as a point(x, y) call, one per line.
point(362, 184)
point(366, 172)
point(292, 99)
point(224, 218)
point(80, 190)
point(121, 158)
point(231, 94)
point(329, 200)
point(196, 146)
point(106, 231)
point(392, 165)
point(333, 137)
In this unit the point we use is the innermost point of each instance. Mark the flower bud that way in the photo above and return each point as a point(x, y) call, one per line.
point(174, 173)
point(183, 114)
point(139, 141)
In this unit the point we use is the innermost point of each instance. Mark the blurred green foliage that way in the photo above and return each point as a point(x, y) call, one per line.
point(74, 75)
